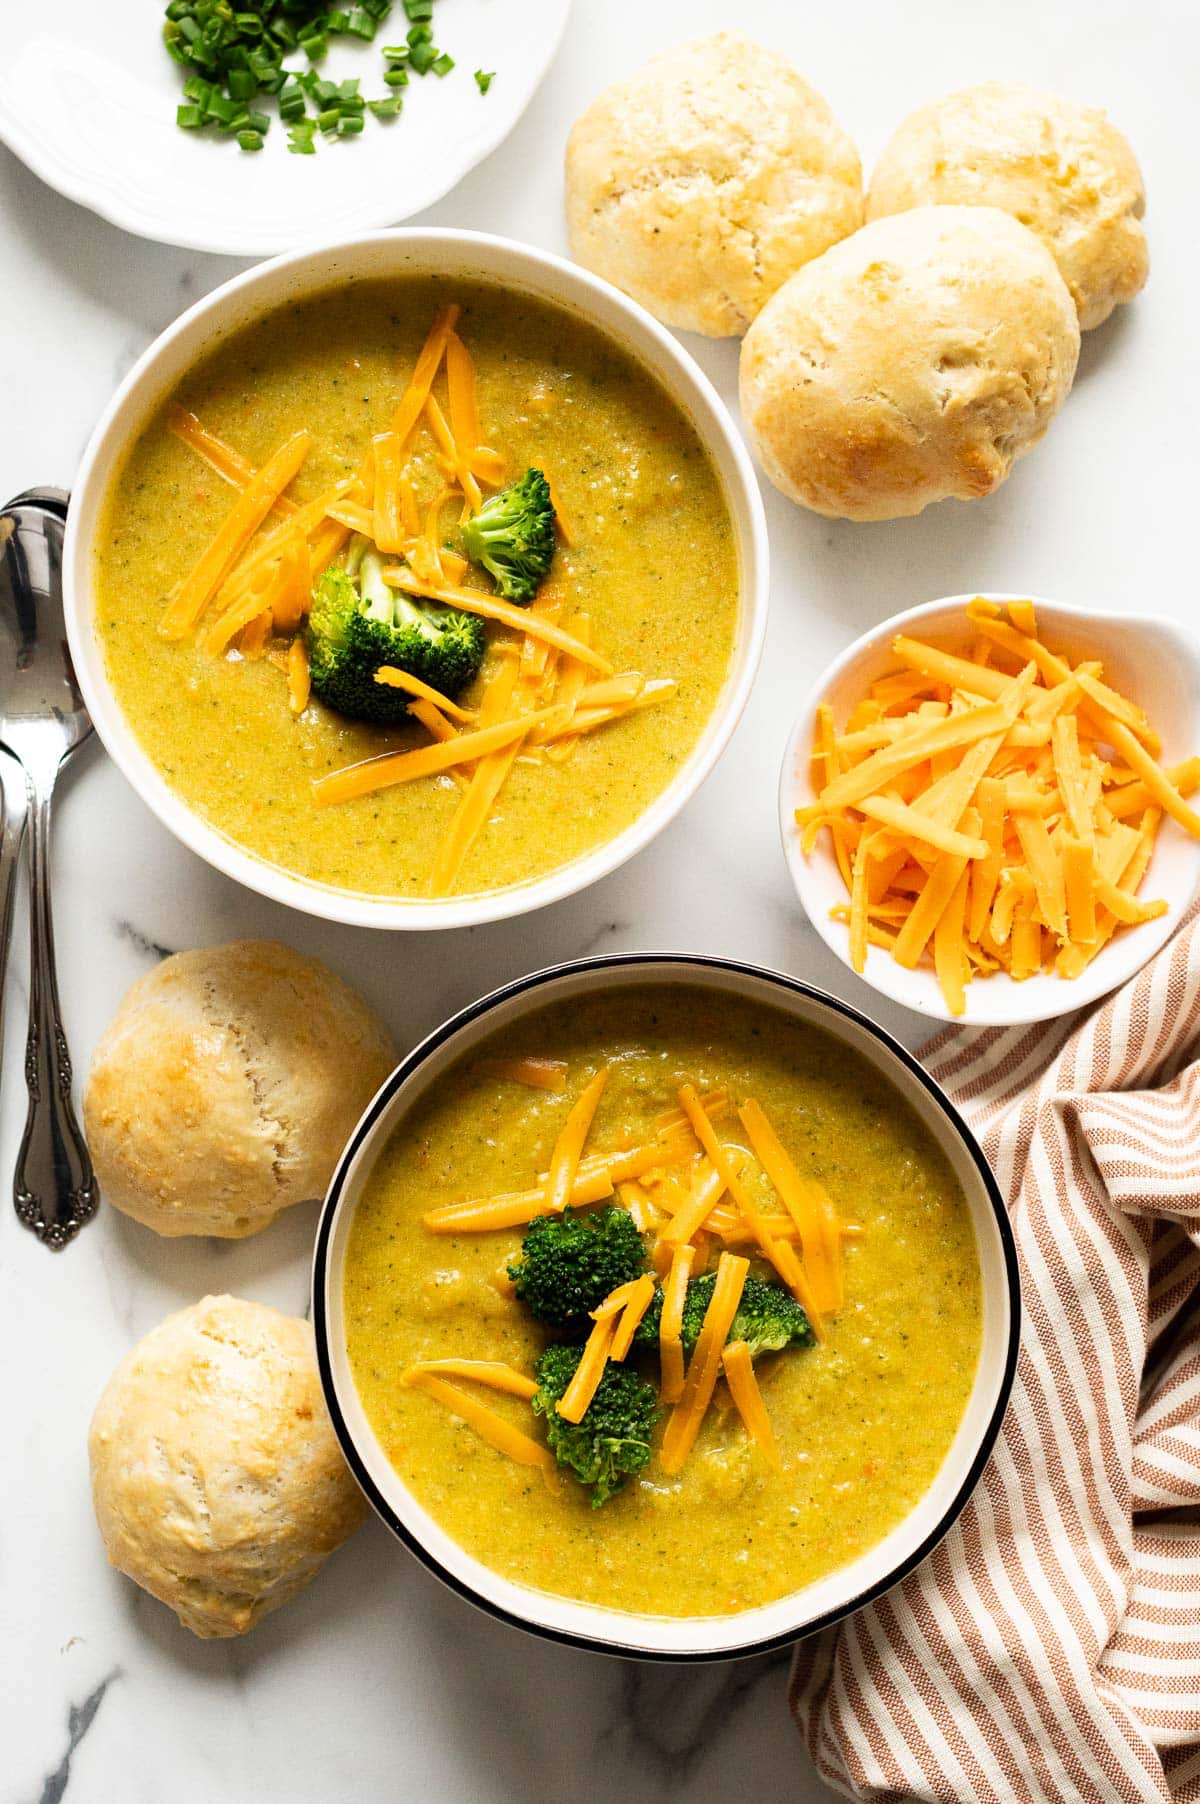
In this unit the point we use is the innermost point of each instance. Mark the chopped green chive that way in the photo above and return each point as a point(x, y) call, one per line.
point(232, 52)
point(484, 79)
point(292, 102)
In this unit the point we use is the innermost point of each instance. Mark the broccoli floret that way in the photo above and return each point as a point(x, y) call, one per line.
point(613, 1440)
point(569, 1263)
point(768, 1318)
point(356, 625)
point(512, 536)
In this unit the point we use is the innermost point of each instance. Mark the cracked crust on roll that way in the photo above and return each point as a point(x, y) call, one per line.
point(226, 1086)
point(918, 360)
point(705, 179)
point(1062, 169)
point(217, 1480)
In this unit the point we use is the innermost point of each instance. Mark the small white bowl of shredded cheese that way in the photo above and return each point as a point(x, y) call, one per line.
point(1149, 660)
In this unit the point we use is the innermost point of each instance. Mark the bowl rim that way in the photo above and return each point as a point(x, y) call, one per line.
point(700, 963)
point(882, 975)
point(572, 288)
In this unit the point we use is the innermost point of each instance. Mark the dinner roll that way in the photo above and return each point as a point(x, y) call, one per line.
point(217, 1480)
point(226, 1086)
point(1062, 169)
point(701, 182)
point(916, 360)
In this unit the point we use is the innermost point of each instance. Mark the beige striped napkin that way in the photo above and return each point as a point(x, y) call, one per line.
point(1049, 1650)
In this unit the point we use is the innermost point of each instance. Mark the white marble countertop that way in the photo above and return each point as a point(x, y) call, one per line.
point(377, 1682)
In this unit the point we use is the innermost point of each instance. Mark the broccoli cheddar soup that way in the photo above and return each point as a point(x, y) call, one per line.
point(418, 588)
point(664, 1302)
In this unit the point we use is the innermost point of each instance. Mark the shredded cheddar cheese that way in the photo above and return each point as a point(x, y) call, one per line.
point(572, 1406)
point(405, 767)
point(670, 1327)
point(568, 1148)
point(715, 1104)
point(463, 397)
point(493, 1372)
point(228, 463)
point(595, 1180)
point(489, 1426)
point(978, 815)
point(640, 1297)
point(615, 1301)
point(401, 679)
point(778, 1252)
point(744, 1389)
point(193, 593)
point(353, 514)
point(806, 1201)
point(537, 1074)
point(409, 408)
point(491, 607)
point(299, 679)
point(705, 1364)
point(456, 456)
point(708, 1187)
point(311, 519)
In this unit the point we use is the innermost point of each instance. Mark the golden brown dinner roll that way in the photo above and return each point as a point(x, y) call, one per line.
point(916, 360)
point(701, 182)
point(217, 1480)
point(227, 1085)
point(1062, 169)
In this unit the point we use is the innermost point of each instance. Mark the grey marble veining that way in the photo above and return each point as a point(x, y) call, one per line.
point(378, 1684)
point(80, 1718)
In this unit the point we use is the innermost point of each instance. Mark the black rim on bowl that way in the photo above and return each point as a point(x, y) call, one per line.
point(700, 964)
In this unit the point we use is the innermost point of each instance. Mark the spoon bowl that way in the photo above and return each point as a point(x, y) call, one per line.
point(42, 714)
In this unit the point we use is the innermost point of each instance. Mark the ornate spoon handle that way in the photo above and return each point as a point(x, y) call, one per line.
point(54, 1188)
point(15, 808)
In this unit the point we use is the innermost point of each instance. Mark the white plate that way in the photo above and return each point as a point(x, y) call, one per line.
point(88, 97)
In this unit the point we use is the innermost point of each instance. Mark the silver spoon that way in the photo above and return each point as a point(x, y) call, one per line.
point(14, 809)
point(42, 721)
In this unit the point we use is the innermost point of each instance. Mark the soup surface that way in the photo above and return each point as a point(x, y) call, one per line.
point(862, 1422)
point(651, 561)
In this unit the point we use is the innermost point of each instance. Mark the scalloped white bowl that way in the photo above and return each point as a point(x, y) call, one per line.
point(507, 265)
point(1154, 660)
point(811, 1606)
point(88, 97)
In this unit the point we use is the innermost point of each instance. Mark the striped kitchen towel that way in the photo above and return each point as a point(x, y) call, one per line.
point(1049, 1650)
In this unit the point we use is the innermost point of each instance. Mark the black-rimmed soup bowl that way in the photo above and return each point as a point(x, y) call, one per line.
point(591, 1624)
